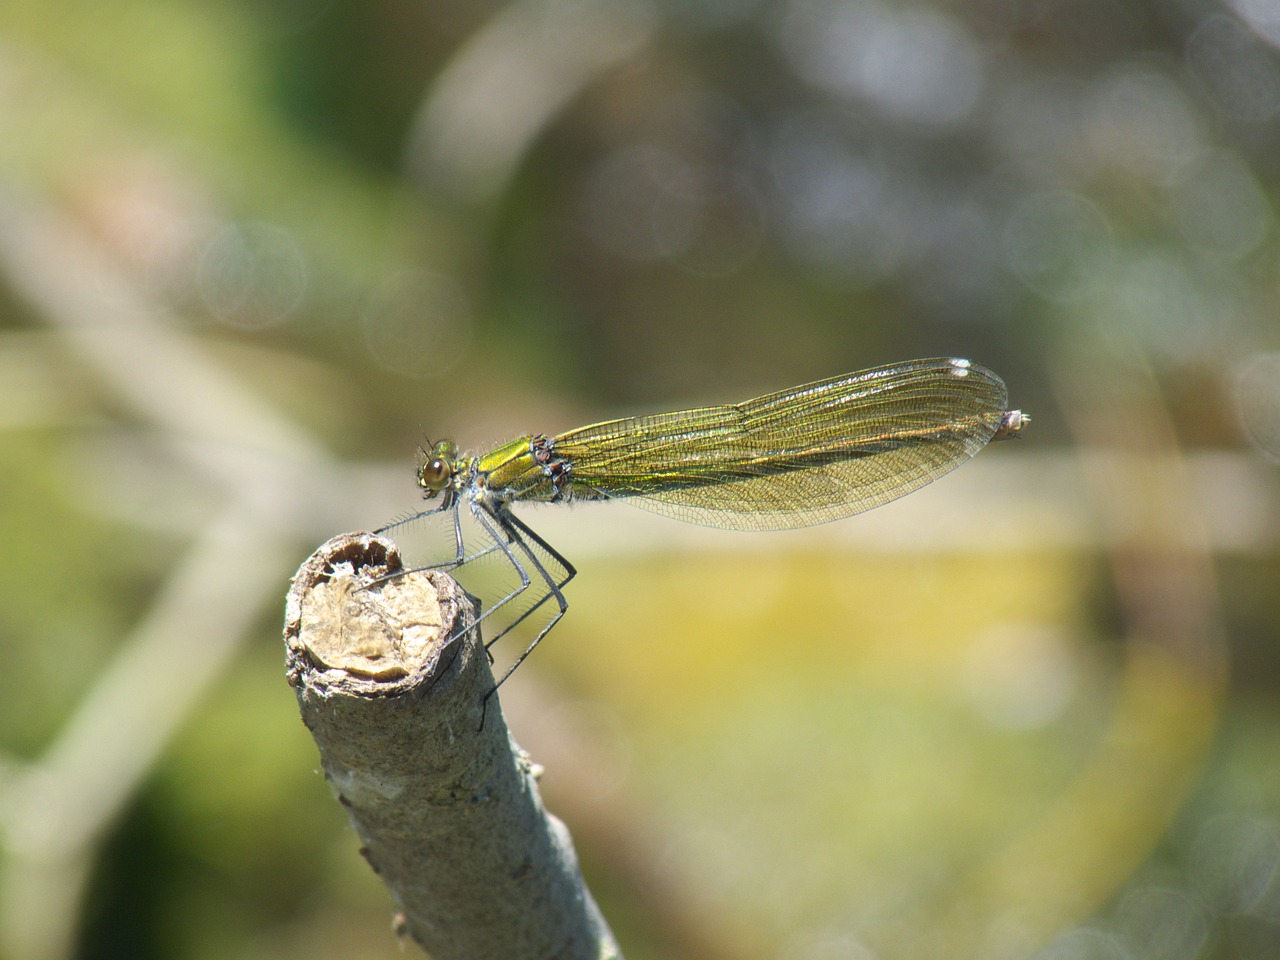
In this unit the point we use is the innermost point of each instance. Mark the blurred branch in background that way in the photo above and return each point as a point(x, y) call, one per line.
point(512, 78)
point(56, 809)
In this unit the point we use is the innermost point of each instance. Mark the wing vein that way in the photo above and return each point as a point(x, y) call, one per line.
point(795, 457)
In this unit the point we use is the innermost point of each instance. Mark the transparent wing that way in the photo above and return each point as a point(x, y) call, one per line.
point(802, 456)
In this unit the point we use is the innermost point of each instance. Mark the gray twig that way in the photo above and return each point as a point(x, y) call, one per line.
point(391, 679)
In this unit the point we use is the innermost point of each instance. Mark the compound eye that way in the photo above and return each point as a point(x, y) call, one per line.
point(434, 474)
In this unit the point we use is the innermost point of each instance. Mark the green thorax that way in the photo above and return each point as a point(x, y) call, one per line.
point(510, 472)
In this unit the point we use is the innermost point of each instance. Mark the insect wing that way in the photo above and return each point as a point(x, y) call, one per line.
point(796, 457)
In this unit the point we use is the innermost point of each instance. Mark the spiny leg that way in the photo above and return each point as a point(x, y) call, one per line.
point(502, 537)
point(458, 560)
point(514, 533)
point(505, 531)
point(518, 532)
point(459, 557)
point(508, 534)
point(448, 503)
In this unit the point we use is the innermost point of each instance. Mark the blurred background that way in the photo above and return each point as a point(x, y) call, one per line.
point(253, 254)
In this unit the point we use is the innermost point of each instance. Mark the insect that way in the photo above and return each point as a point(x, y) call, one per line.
point(801, 456)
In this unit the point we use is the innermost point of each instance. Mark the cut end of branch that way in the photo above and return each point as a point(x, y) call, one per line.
point(355, 618)
point(394, 685)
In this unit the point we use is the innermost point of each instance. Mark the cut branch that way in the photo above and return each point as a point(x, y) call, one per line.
point(391, 679)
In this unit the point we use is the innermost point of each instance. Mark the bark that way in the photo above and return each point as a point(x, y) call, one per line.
point(392, 681)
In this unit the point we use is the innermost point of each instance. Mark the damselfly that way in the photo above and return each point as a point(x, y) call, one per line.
point(797, 457)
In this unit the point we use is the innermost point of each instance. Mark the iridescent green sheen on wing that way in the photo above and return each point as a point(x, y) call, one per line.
point(801, 456)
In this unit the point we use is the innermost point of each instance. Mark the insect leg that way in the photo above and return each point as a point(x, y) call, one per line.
point(502, 537)
point(447, 504)
point(518, 531)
